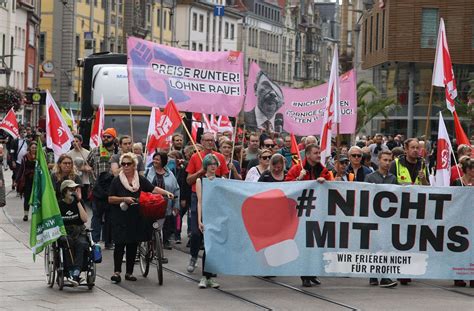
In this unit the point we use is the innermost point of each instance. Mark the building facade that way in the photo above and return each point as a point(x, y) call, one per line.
point(19, 28)
point(398, 44)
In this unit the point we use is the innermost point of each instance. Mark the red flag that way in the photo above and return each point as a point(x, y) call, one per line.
point(461, 137)
point(58, 134)
point(443, 155)
point(162, 125)
point(98, 127)
point(10, 125)
point(196, 123)
point(295, 152)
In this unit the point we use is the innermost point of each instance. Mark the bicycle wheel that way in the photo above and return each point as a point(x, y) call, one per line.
point(49, 267)
point(144, 257)
point(159, 256)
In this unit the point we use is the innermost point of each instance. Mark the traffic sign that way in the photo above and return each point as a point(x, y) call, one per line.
point(219, 10)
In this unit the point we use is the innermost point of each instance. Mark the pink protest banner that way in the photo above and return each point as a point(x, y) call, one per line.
point(298, 111)
point(206, 82)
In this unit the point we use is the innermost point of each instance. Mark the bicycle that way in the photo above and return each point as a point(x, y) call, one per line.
point(152, 250)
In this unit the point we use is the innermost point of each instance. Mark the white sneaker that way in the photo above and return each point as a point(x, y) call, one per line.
point(212, 283)
point(72, 282)
point(203, 282)
point(192, 265)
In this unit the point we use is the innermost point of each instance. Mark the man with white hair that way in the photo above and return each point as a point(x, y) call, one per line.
point(355, 167)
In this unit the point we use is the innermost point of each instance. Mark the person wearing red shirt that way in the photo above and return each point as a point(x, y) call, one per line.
point(195, 171)
point(456, 172)
point(312, 169)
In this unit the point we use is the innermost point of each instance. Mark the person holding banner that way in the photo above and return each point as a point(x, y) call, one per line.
point(456, 172)
point(255, 172)
point(276, 172)
point(209, 165)
point(25, 174)
point(382, 176)
point(356, 167)
point(310, 169)
point(196, 170)
point(410, 169)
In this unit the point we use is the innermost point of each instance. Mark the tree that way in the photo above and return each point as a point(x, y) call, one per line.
point(11, 97)
point(370, 104)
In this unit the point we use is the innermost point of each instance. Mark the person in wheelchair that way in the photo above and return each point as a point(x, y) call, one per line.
point(75, 243)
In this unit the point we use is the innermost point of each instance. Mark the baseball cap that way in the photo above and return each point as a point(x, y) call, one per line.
point(68, 184)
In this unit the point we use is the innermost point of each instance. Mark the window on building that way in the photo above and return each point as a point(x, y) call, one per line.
point(31, 75)
point(377, 32)
point(195, 18)
point(77, 47)
point(95, 3)
point(232, 31)
point(365, 37)
point(201, 23)
point(42, 47)
point(164, 20)
point(383, 29)
point(349, 38)
point(170, 21)
point(200, 47)
point(31, 35)
point(158, 18)
point(472, 34)
point(429, 27)
point(147, 13)
point(371, 33)
point(193, 45)
point(103, 3)
point(226, 30)
point(114, 4)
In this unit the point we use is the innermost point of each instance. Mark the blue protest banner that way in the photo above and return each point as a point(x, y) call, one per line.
point(219, 10)
point(338, 229)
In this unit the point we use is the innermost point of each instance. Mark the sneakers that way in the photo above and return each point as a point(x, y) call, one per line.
point(116, 278)
point(25, 218)
point(213, 284)
point(203, 283)
point(177, 240)
point(460, 283)
point(72, 282)
point(387, 283)
point(192, 264)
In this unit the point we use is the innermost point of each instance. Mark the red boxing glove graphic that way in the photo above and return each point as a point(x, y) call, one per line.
point(271, 221)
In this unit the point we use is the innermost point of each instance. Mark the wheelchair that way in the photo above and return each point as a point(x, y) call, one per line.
point(56, 270)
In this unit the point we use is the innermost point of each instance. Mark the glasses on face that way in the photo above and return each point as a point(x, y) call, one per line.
point(213, 163)
point(356, 155)
point(66, 163)
point(344, 163)
point(107, 136)
point(265, 157)
point(269, 145)
point(126, 164)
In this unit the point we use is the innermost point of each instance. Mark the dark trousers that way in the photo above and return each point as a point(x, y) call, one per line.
point(26, 196)
point(131, 253)
point(77, 247)
point(168, 228)
point(100, 222)
point(196, 236)
point(184, 211)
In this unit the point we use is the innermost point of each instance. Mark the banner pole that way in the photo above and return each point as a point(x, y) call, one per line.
point(243, 145)
point(457, 167)
point(234, 134)
point(428, 115)
point(131, 123)
point(191, 139)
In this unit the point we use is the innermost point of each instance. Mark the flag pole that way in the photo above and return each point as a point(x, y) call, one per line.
point(428, 115)
point(242, 150)
point(457, 167)
point(191, 139)
point(234, 134)
point(131, 123)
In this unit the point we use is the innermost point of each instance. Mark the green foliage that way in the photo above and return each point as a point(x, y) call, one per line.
point(11, 97)
point(370, 104)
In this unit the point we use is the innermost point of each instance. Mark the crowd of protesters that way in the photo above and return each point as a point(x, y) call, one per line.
point(114, 173)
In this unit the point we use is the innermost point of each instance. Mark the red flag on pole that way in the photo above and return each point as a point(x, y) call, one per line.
point(98, 127)
point(58, 134)
point(10, 125)
point(443, 156)
point(295, 152)
point(331, 113)
point(162, 125)
point(443, 76)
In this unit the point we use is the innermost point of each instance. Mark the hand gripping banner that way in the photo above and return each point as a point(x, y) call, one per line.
point(338, 229)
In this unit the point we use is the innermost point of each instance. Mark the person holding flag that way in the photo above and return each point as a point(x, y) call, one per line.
point(25, 175)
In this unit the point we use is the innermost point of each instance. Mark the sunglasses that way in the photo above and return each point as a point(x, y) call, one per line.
point(345, 162)
point(269, 146)
point(265, 157)
point(126, 164)
point(356, 155)
point(213, 163)
point(107, 136)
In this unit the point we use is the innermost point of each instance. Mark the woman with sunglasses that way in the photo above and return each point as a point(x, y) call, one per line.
point(24, 177)
point(127, 224)
point(263, 163)
point(64, 169)
point(276, 171)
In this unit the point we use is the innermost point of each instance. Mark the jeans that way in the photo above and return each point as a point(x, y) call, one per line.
point(100, 222)
point(130, 256)
point(169, 227)
point(196, 235)
point(77, 247)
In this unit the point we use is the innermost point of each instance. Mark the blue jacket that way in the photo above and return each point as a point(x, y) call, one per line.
point(171, 185)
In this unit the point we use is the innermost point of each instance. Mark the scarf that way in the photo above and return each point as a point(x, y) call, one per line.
point(135, 186)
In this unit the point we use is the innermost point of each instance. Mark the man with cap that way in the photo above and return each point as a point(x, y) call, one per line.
point(99, 160)
point(339, 173)
point(74, 217)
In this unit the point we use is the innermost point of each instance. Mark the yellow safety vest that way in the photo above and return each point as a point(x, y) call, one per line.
point(403, 175)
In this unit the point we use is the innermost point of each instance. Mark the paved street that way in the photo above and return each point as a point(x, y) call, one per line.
point(23, 286)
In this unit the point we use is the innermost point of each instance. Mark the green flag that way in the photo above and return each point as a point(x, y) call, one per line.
point(46, 221)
